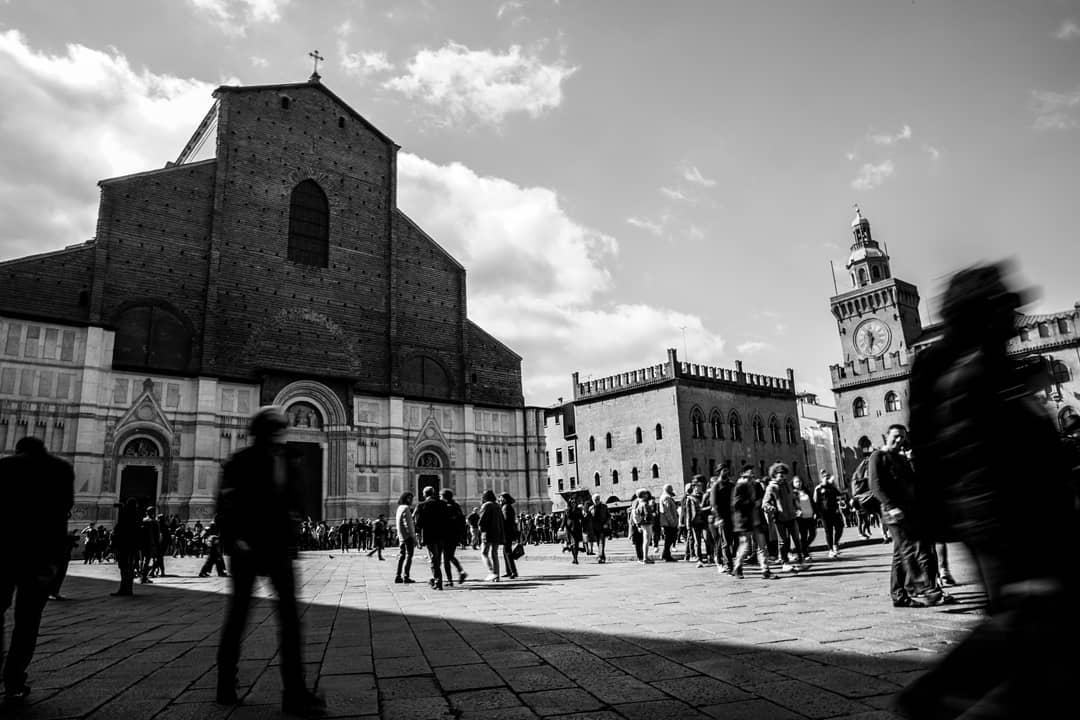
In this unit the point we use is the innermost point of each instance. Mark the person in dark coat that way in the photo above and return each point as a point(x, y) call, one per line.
point(432, 522)
point(724, 538)
point(748, 520)
point(259, 509)
point(491, 533)
point(455, 532)
point(37, 491)
point(125, 541)
point(511, 534)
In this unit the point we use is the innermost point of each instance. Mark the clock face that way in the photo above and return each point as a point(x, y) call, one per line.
point(872, 338)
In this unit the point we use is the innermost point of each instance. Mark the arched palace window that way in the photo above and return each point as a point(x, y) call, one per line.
point(858, 408)
point(892, 402)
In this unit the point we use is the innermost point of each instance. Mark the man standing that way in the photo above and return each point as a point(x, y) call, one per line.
point(669, 521)
point(602, 520)
point(430, 521)
point(748, 520)
point(126, 544)
point(779, 505)
point(723, 537)
point(260, 507)
point(378, 535)
point(38, 491)
point(893, 483)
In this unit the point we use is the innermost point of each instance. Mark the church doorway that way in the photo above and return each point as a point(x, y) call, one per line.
point(311, 463)
point(428, 472)
point(139, 482)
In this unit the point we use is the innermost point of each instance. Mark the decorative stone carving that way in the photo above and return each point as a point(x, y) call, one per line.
point(141, 447)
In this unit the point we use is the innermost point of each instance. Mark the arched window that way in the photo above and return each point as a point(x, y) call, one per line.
point(637, 436)
point(697, 423)
point(309, 225)
point(759, 429)
point(774, 430)
point(717, 424)
point(592, 444)
point(1061, 372)
point(791, 432)
point(596, 479)
point(659, 431)
point(425, 377)
point(1044, 330)
point(560, 485)
point(892, 402)
point(614, 477)
point(1025, 334)
point(634, 474)
point(607, 441)
point(865, 447)
point(875, 272)
point(735, 426)
point(862, 276)
point(655, 471)
point(858, 408)
point(150, 336)
point(1063, 326)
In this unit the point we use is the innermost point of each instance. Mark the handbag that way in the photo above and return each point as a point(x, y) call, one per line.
point(518, 552)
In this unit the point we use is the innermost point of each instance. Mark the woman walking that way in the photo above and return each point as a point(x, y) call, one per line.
point(510, 534)
point(491, 533)
point(406, 532)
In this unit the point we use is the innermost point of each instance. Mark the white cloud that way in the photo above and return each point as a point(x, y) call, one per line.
point(509, 6)
point(675, 194)
point(696, 233)
point(363, 64)
point(850, 155)
point(259, 62)
point(482, 84)
point(887, 139)
point(871, 176)
point(1069, 29)
point(932, 151)
point(651, 226)
point(537, 278)
point(692, 174)
point(751, 347)
point(1056, 110)
point(234, 16)
point(83, 115)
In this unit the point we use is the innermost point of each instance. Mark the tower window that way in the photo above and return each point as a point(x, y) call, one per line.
point(659, 431)
point(614, 477)
point(892, 402)
point(637, 436)
point(792, 435)
point(858, 408)
point(1063, 326)
point(284, 103)
point(634, 474)
point(607, 441)
point(592, 444)
point(1044, 330)
point(655, 471)
point(774, 430)
point(862, 277)
point(309, 225)
point(759, 429)
point(341, 121)
point(596, 479)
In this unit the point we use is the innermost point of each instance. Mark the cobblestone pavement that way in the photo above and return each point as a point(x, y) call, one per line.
point(619, 640)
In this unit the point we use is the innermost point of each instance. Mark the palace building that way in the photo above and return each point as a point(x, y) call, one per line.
point(880, 332)
point(268, 264)
point(666, 423)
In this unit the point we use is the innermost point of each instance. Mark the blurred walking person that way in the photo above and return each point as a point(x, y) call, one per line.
point(260, 507)
point(455, 533)
point(491, 526)
point(511, 534)
point(748, 520)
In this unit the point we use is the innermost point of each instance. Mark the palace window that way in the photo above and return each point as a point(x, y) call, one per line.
point(614, 477)
point(759, 429)
point(735, 426)
point(892, 402)
point(560, 485)
point(637, 436)
point(592, 444)
point(697, 423)
point(693, 466)
point(596, 479)
point(634, 474)
point(1044, 330)
point(792, 434)
point(655, 471)
point(1063, 326)
point(309, 225)
point(1025, 334)
point(858, 408)
point(558, 456)
point(607, 441)
point(774, 430)
point(1061, 372)
point(570, 454)
point(717, 426)
point(659, 431)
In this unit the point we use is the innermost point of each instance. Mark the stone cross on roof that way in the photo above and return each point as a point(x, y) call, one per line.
point(316, 57)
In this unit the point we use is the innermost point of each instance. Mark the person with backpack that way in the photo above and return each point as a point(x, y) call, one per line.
point(601, 517)
point(866, 505)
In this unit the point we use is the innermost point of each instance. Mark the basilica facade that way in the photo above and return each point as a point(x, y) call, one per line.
point(880, 333)
point(268, 264)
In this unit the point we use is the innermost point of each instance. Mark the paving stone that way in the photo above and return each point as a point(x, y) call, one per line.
point(651, 667)
point(484, 699)
point(411, 687)
point(621, 689)
point(561, 702)
point(507, 713)
point(701, 690)
point(433, 708)
point(659, 710)
point(467, 677)
point(807, 699)
point(846, 682)
point(739, 673)
point(402, 667)
point(756, 709)
point(539, 677)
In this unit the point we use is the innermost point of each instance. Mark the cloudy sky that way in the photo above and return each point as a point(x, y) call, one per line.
point(615, 175)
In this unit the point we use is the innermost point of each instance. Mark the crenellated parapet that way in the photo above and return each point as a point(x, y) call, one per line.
point(889, 366)
point(676, 369)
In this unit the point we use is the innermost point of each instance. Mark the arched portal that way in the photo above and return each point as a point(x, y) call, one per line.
point(139, 467)
point(429, 471)
point(317, 437)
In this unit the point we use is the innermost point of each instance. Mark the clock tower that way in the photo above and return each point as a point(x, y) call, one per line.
point(879, 315)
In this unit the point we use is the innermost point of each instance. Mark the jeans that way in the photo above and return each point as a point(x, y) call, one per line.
point(807, 533)
point(671, 534)
point(834, 528)
point(491, 557)
point(450, 561)
point(435, 555)
point(245, 567)
point(912, 563)
point(757, 535)
point(405, 556)
point(788, 532)
point(725, 543)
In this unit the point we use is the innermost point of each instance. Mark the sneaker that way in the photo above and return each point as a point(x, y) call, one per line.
point(901, 602)
point(947, 579)
point(408, 580)
point(204, 574)
point(767, 575)
point(947, 599)
point(491, 578)
point(808, 558)
point(461, 578)
point(398, 579)
point(303, 703)
point(739, 573)
point(833, 554)
point(787, 567)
